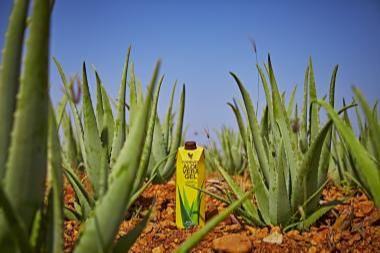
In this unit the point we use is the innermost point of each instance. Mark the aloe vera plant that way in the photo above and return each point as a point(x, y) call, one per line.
point(167, 138)
point(360, 155)
point(287, 168)
point(231, 155)
point(31, 196)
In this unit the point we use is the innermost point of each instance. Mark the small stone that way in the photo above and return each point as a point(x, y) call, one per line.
point(274, 238)
point(234, 243)
point(158, 249)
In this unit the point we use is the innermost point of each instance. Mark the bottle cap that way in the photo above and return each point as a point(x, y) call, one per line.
point(190, 145)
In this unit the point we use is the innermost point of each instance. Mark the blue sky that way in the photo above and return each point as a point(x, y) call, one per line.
point(199, 42)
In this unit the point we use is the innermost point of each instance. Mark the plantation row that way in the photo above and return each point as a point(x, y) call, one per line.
point(288, 156)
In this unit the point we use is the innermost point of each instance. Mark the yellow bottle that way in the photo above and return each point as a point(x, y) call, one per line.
point(190, 176)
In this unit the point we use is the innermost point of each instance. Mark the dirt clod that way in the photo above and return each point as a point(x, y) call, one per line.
point(234, 243)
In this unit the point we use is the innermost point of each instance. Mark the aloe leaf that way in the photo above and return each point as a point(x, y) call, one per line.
point(368, 167)
point(373, 124)
point(159, 146)
point(108, 131)
point(126, 242)
point(168, 170)
point(304, 122)
point(143, 166)
point(120, 123)
point(261, 191)
point(55, 232)
point(85, 200)
point(308, 170)
point(254, 129)
point(27, 155)
point(91, 136)
point(74, 109)
point(279, 204)
point(121, 186)
point(10, 69)
point(315, 216)
point(99, 102)
point(69, 147)
point(132, 95)
point(314, 118)
point(239, 119)
point(17, 228)
point(168, 118)
point(247, 205)
point(284, 123)
point(267, 96)
point(278, 101)
point(197, 236)
point(61, 109)
point(290, 108)
point(72, 214)
point(326, 149)
point(137, 193)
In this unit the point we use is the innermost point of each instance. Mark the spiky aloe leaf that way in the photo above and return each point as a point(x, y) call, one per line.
point(304, 122)
point(167, 126)
point(61, 109)
point(27, 154)
point(132, 95)
point(91, 137)
point(159, 147)
point(168, 170)
point(70, 146)
point(279, 204)
point(72, 214)
point(315, 216)
point(143, 166)
point(107, 132)
point(17, 230)
point(254, 128)
point(373, 124)
point(247, 205)
point(120, 123)
point(108, 214)
point(267, 96)
point(290, 108)
point(240, 122)
point(55, 202)
point(85, 200)
point(368, 168)
point(308, 170)
point(10, 69)
point(126, 242)
point(284, 123)
point(99, 102)
point(77, 119)
point(326, 150)
point(197, 236)
point(314, 118)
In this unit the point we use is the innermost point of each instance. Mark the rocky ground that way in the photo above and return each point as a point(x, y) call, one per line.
point(353, 226)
